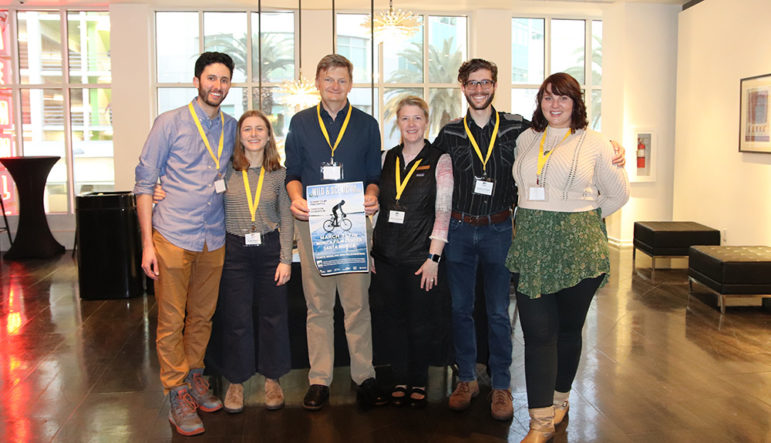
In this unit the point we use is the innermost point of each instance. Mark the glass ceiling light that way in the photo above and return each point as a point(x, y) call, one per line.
point(394, 24)
point(300, 93)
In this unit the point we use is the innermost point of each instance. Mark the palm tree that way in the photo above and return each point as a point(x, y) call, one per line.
point(277, 55)
point(442, 65)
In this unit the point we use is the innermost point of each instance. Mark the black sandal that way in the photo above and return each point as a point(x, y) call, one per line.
point(418, 402)
point(399, 400)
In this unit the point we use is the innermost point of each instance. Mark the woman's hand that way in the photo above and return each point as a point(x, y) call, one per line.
point(158, 194)
point(428, 273)
point(283, 274)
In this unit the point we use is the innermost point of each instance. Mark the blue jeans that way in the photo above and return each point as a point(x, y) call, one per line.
point(467, 247)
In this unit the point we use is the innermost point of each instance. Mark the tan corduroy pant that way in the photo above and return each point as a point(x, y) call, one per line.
point(186, 292)
point(319, 292)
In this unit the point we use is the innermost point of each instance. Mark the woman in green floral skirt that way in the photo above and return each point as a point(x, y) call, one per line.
point(567, 185)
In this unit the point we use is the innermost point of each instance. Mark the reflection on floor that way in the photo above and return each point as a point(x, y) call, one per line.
point(658, 365)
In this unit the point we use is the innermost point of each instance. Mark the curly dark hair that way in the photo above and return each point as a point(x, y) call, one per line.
point(208, 58)
point(561, 84)
point(474, 65)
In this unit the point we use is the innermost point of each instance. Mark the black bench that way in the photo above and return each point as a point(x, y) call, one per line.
point(740, 272)
point(670, 239)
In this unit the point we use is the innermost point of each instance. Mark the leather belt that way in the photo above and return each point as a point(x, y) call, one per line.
point(482, 220)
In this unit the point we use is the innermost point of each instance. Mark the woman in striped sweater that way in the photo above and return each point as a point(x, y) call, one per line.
point(258, 260)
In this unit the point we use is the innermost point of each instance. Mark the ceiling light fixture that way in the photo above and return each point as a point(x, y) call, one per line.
point(394, 23)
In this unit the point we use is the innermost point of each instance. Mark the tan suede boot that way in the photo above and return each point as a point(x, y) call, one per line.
point(541, 425)
point(274, 395)
point(561, 406)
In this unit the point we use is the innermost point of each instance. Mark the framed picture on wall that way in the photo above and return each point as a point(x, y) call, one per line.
point(754, 118)
point(642, 167)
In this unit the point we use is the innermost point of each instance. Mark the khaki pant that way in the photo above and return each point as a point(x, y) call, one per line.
point(186, 292)
point(319, 292)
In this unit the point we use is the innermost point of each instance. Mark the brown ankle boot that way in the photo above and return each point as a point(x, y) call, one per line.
point(541, 425)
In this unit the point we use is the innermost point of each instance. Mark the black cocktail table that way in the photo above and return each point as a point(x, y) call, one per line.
point(33, 236)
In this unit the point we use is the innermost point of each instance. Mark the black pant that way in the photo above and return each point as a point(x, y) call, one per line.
point(249, 302)
point(404, 321)
point(552, 327)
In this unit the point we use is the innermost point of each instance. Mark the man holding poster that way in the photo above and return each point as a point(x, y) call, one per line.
point(333, 143)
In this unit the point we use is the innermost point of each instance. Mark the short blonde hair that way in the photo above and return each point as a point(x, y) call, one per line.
point(412, 100)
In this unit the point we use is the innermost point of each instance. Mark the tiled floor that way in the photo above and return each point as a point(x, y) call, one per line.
point(658, 366)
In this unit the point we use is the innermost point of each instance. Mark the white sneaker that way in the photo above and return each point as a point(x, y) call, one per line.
point(234, 398)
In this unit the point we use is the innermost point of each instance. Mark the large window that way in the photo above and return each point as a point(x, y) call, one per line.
point(55, 100)
point(424, 64)
point(264, 56)
point(574, 46)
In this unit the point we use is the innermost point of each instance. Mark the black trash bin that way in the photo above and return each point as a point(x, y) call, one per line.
point(109, 245)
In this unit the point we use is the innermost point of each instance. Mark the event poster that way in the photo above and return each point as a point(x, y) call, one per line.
point(338, 227)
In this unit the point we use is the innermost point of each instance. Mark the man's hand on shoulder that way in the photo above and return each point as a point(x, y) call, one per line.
point(619, 159)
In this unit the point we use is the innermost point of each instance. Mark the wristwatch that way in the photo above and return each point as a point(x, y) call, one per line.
point(434, 257)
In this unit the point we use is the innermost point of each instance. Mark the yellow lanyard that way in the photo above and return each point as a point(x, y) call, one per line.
point(399, 184)
point(253, 203)
point(206, 140)
point(342, 130)
point(476, 146)
point(543, 158)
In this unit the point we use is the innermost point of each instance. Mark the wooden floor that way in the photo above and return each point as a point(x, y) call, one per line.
point(658, 366)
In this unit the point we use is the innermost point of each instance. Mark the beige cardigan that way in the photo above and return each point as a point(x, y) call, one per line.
point(578, 176)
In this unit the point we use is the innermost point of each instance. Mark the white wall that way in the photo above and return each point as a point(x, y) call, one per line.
point(720, 42)
point(639, 72)
point(638, 84)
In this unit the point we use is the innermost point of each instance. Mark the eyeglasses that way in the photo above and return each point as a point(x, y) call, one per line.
point(485, 84)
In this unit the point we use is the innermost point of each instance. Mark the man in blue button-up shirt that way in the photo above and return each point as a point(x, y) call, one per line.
point(355, 158)
point(183, 237)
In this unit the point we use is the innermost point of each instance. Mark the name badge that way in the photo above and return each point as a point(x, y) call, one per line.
point(332, 171)
point(396, 217)
point(253, 239)
point(483, 186)
point(219, 186)
point(536, 193)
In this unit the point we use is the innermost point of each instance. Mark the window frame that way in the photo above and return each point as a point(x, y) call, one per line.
point(587, 87)
point(66, 86)
point(249, 84)
point(381, 86)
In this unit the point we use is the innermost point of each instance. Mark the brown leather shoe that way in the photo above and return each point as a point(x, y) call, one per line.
point(501, 406)
point(461, 398)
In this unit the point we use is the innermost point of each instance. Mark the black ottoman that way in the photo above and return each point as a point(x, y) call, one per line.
point(740, 272)
point(670, 239)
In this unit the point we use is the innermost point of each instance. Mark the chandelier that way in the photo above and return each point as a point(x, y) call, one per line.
point(300, 93)
point(394, 23)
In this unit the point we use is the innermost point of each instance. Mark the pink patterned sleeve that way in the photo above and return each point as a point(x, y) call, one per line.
point(443, 205)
